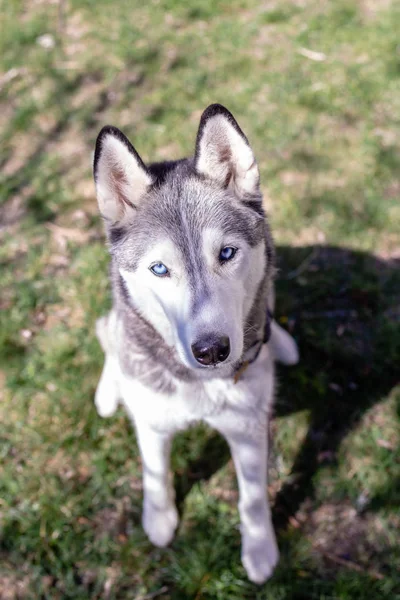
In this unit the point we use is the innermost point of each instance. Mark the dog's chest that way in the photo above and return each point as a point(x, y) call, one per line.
point(220, 402)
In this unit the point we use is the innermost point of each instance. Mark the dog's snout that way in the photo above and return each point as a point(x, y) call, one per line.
point(211, 350)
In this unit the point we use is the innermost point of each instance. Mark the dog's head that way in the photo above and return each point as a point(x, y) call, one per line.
point(188, 238)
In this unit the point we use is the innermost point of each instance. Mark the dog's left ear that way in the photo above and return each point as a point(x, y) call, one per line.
point(223, 154)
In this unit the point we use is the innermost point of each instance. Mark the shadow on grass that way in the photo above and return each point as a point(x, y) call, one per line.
point(213, 455)
point(342, 308)
point(69, 111)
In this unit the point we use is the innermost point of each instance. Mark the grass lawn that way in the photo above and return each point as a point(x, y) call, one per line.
point(316, 87)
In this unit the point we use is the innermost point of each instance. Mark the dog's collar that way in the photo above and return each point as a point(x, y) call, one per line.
point(253, 352)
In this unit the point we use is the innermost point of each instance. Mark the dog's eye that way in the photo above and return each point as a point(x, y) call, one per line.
point(227, 253)
point(159, 269)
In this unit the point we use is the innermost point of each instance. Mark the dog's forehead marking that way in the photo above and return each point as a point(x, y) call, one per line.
point(195, 203)
point(180, 209)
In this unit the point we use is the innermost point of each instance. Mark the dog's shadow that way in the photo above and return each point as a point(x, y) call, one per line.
point(342, 307)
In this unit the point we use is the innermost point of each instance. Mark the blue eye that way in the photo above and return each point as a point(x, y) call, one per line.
point(227, 253)
point(159, 269)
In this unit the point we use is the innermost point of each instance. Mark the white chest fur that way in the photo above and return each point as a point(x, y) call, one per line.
point(222, 403)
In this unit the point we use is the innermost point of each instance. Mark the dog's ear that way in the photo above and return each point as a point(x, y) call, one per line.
point(120, 175)
point(223, 154)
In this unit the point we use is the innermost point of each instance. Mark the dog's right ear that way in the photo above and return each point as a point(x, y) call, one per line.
point(120, 175)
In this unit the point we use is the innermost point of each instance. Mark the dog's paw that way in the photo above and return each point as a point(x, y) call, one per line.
point(160, 524)
point(259, 558)
point(106, 400)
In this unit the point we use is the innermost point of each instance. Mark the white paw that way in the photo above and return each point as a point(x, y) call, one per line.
point(259, 558)
point(159, 524)
point(106, 400)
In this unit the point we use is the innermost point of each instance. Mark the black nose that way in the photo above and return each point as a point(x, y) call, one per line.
point(211, 350)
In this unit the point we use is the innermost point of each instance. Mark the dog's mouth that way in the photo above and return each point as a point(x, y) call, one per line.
point(224, 371)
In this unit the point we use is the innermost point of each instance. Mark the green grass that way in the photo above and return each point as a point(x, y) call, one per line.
point(326, 135)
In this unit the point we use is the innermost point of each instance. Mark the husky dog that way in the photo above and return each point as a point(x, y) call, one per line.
point(192, 267)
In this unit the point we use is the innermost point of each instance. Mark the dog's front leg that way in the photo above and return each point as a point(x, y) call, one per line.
point(259, 549)
point(160, 517)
